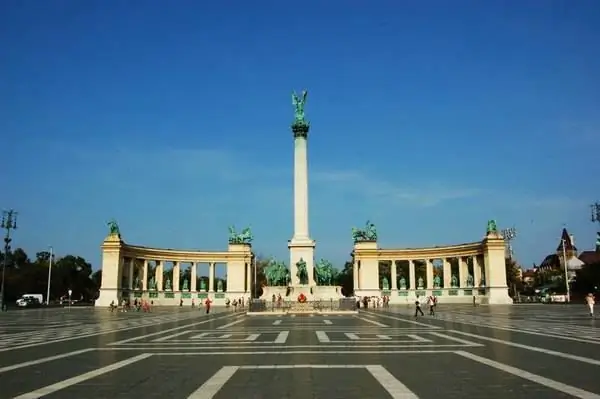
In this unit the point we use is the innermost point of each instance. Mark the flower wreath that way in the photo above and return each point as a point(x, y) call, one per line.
point(301, 298)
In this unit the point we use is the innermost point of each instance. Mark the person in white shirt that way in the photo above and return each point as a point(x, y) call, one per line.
point(591, 301)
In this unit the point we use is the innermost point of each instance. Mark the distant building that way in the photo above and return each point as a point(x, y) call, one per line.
point(557, 260)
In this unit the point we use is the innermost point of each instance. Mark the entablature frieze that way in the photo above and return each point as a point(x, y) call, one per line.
point(452, 251)
point(183, 256)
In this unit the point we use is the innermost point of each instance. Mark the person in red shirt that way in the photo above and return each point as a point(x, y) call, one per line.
point(207, 304)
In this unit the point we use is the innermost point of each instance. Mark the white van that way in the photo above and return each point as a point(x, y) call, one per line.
point(27, 298)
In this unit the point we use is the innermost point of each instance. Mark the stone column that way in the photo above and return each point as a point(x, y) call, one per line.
point(476, 271)
point(159, 274)
point(130, 273)
point(429, 271)
point(447, 273)
point(355, 271)
point(411, 275)
point(462, 276)
point(394, 276)
point(248, 277)
point(193, 276)
point(145, 276)
point(211, 277)
point(176, 273)
point(301, 246)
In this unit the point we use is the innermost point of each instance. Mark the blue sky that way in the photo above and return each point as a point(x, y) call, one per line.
point(173, 118)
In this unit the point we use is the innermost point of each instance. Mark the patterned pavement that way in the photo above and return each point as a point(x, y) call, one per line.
point(524, 351)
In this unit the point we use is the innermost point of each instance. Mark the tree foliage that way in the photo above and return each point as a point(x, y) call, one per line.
point(30, 276)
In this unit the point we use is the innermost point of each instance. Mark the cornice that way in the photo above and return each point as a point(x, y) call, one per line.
point(450, 251)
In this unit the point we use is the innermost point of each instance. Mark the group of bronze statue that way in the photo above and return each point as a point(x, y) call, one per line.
point(278, 274)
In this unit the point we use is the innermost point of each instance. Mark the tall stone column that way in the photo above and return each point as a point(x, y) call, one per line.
point(394, 276)
point(355, 276)
point(248, 277)
point(211, 277)
point(429, 272)
point(130, 273)
point(159, 272)
point(447, 273)
point(476, 271)
point(411, 275)
point(462, 275)
point(193, 277)
point(176, 273)
point(145, 276)
point(301, 246)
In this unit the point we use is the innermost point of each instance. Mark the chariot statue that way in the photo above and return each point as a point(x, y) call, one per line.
point(245, 237)
point(491, 227)
point(369, 233)
point(113, 228)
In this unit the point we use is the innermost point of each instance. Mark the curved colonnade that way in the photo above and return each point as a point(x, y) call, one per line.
point(454, 273)
point(462, 271)
point(132, 271)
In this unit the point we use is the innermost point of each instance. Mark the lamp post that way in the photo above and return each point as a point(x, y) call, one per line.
point(49, 275)
point(509, 235)
point(564, 251)
point(596, 218)
point(9, 222)
point(595, 212)
point(254, 277)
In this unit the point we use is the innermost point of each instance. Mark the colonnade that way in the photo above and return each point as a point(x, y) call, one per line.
point(481, 271)
point(399, 281)
point(126, 273)
point(131, 264)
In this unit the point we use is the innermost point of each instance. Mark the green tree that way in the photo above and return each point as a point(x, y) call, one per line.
point(513, 276)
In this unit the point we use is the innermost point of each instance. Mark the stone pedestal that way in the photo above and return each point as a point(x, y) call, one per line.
point(305, 250)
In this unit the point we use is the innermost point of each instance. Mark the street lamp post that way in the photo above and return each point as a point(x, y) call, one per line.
point(595, 212)
point(254, 277)
point(9, 222)
point(49, 275)
point(596, 218)
point(509, 235)
point(564, 251)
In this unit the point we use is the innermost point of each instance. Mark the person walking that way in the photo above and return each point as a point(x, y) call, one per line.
point(431, 303)
point(418, 307)
point(591, 301)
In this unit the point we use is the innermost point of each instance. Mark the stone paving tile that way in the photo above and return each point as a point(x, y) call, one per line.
point(155, 377)
point(302, 383)
point(428, 375)
point(20, 381)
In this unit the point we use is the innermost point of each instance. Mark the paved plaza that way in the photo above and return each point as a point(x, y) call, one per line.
point(523, 351)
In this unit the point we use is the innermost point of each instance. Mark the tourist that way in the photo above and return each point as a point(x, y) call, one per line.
point(590, 302)
point(418, 307)
point(207, 305)
point(431, 303)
